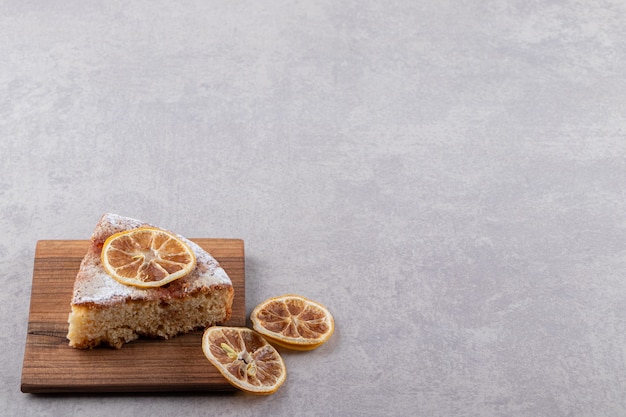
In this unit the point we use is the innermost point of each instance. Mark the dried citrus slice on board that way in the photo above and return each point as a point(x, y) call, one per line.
point(245, 359)
point(293, 322)
point(146, 257)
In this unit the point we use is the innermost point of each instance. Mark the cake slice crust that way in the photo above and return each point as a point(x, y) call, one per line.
point(104, 311)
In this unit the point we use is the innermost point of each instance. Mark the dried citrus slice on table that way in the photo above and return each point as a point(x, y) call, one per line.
point(244, 358)
point(293, 322)
point(146, 257)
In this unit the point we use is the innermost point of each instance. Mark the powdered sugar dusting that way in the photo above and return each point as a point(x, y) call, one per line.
point(94, 285)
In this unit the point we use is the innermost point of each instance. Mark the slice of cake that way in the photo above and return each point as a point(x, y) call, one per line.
point(106, 311)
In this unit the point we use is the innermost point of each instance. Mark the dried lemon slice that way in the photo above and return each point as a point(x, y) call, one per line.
point(245, 359)
point(146, 257)
point(293, 322)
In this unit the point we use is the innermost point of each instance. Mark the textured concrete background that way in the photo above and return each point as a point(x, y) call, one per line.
point(446, 176)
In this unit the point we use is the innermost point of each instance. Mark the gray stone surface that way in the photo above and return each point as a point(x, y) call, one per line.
point(446, 176)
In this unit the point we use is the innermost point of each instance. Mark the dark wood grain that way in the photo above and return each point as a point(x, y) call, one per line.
point(52, 366)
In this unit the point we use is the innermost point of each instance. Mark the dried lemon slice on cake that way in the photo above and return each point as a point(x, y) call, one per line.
point(293, 322)
point(244, 358)
point(146, 257)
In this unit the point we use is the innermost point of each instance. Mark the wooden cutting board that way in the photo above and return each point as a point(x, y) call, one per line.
point(52, 366)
